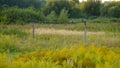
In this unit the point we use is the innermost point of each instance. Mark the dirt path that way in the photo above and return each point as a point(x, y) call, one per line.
point(64, 32)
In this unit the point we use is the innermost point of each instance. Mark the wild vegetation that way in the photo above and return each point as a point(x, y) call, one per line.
point(59, 40)
point(19, 49)
point(12, 12)
point(79, 57)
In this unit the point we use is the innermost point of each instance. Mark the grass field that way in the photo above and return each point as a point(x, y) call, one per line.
point(60, 46)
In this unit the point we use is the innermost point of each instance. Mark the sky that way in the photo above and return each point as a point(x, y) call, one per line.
point(102, 0)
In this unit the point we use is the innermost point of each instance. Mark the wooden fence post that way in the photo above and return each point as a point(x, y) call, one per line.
point(85, 31)
point(33, 30)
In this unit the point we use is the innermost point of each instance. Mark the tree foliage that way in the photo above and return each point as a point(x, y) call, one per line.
point(25, 11)
point(63, 17)
point(91, 7)
point(56, 5)
point(52, 17)
point(111, 9)
point(18, 15)
point(23, 3)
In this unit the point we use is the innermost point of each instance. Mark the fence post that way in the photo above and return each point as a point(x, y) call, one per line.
point(33, 30)
point(85, 30)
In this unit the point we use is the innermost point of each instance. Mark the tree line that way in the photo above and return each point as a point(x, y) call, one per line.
point(59, 11)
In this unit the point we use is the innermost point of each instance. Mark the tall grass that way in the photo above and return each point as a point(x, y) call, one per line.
point(19, 50)
point(20, 37)
point(12, 31)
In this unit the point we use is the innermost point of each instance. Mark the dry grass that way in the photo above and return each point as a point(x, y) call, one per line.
point(64, 32)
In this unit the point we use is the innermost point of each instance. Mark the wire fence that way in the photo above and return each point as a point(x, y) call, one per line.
point(89, 33)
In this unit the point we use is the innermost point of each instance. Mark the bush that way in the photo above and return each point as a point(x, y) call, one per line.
point(19, 16)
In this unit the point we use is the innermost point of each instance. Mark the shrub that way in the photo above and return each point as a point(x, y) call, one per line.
point(20, 16)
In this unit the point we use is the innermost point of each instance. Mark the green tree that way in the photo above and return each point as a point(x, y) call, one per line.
point(114, 11)
point(63, 17)
point(111, 9)
point(20, 15)
point(23, 3)
point(56, 5)
point(74, 2)
point(91, 7)
point(52, 17)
